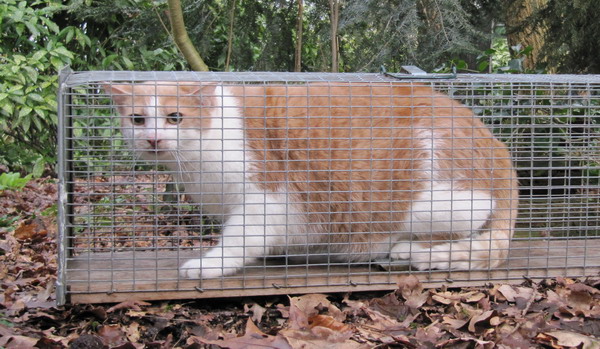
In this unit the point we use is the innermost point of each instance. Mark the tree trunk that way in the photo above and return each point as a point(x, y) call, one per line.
point(299, 32)
point(334, 8)
point(522, 32)
point(182, 40)
point(230, 35)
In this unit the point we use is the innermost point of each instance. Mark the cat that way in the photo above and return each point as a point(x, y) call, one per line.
point(338, 172)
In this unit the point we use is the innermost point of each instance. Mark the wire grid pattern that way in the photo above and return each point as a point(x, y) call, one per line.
point(129, 222)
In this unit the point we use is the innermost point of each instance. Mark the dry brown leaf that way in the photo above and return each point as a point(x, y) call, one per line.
point(580, 287)
point(480, 344)
point(454, 323)
point(511, 293)
point(112, 335)
point(298, 319)
point(328, 322)
point(283, 310)
point(320, 337)
point(130, 304)
point(381, 321)
point(473, 297)
point(567, 339)
point(484, 316)
point(17, 342)
point(445, 297)
point(430, 334)
point(257, 311)
point(409, 284)
point(132, 332)
point(303, 307)
point(495, 321)
point(253, 338)
point(354, 305)
point(33, 229)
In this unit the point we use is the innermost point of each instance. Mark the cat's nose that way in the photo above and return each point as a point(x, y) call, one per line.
point(154, 143)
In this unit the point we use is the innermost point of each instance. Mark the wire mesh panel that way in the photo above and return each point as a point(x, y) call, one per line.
point(186, 185)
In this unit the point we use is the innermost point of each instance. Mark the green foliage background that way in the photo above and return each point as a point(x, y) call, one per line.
point(38, 37)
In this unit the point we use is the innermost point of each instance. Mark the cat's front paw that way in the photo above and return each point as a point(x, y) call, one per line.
point(201, 269)
point(420, 258)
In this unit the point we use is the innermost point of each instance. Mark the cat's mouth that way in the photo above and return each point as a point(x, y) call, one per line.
point(155, 151)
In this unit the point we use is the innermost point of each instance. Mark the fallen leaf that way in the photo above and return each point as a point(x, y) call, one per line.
point(454, 323)
point(129, 304)
point(580, 287)
point(112, 335)
point(319, 337)
point(303, 307)
point(16, 341)
point(33, 229)
point(132, 332)
point(409, 284)
point(568, 339)
point(391, 305)
point(511, 293)
point(428, 336)
point(253, 338)
point(485, 316)
point(328, 322)
point(445, 297)
point(473, 297)
point(48, 343)
point(257, 311)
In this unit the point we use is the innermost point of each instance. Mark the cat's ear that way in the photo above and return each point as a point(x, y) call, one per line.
point(120, 94)
point(117, 89)
point(199, 88)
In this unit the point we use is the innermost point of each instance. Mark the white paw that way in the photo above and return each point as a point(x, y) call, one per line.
point(402, 250)
point(201, 269)
point(439, 257)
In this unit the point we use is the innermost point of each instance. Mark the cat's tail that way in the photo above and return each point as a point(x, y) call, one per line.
point(485, 249)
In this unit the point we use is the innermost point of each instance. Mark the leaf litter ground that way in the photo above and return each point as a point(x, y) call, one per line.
point(555, 313)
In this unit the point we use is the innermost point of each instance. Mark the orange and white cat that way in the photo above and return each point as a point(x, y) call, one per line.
point(331, 172)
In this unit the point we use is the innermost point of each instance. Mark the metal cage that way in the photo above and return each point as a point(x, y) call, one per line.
point(129, 222)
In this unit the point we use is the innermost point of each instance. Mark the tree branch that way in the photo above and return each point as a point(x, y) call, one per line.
point(299, 30)
point(230, 36)
point(182, 39)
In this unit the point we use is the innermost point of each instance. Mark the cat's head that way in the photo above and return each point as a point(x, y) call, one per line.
point(159, 119)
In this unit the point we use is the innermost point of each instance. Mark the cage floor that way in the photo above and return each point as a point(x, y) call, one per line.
point(152, 275)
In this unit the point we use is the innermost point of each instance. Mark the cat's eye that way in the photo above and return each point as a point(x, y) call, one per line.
point(137, 119)
point(174, 118)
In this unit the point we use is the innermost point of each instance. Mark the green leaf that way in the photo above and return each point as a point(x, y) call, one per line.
point(70, 34)
point(106, 62)
point(63, 51)
point(25, 110)
point(32, 29)
point(38, 55)
point(56, 62)
point(128, 63)
point(51, 25)
point(19, 28)
point(483, 66)
point(37, 122)
point(25, 123)
point(7, 108)
point(13, 181)
point(17, 15)
point(32, 73)
point(36, 97)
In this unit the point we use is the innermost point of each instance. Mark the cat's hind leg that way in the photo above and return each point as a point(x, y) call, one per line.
point(471, 230)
